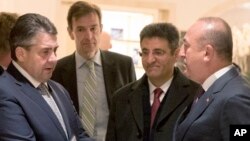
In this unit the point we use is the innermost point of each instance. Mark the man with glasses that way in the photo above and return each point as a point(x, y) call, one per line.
point(148, 108)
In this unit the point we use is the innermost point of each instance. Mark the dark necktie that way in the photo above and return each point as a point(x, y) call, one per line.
point(199, 93)
point(155, 105)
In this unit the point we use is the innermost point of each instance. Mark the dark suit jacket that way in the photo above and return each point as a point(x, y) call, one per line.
point(118, 70)
point(1, 70)
point(226, 102)
point(25, 115)
point(129, 117)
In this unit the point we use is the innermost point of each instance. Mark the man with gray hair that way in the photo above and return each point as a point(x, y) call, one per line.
point(32, 106)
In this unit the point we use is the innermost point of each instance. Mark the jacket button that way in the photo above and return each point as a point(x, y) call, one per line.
point(138, 135)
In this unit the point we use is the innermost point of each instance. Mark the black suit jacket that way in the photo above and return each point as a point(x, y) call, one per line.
point(130, 111)
point(1, 70)
point(118, 70)
point(25, 115)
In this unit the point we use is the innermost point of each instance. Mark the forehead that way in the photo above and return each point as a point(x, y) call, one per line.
point(43, 38)
point(86, 20)
point(154, 43)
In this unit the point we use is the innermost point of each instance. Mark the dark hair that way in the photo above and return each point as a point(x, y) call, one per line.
point(26, 28)
point(220, 36)
point(165, 31)
point(82, 8)
point(7, 21)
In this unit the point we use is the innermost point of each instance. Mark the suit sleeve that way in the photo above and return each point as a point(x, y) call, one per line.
point(111, 133)
point(235, 111)
point(13, 124)
point(132, 71)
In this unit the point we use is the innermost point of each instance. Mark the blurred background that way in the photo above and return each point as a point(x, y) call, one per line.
point(124, 19)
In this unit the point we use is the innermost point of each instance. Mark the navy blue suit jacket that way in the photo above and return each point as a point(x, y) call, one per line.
point(25, 115)
point(226, 102)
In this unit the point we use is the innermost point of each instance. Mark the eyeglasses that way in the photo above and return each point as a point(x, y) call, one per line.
point(156, 53)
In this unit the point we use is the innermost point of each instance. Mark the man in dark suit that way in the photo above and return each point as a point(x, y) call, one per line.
point(32, 106)
point(132, 116)
point(207, 52)
point(112, 70)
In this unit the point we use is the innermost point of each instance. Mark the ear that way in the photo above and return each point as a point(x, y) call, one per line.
point(20, 53)
point(70, 33)
point(208, 53)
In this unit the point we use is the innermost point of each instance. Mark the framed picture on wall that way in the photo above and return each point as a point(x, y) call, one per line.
point(117, 33)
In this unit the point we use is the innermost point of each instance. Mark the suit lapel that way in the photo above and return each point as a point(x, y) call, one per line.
point(58, 99)
point(70, 71)
point(174, 99)
point(174, 96)
point(109, 75)
point(205, 101)
point(69, 80)
point(196, 111)
point(135, 101)
point(34, 95)
point(29, 90)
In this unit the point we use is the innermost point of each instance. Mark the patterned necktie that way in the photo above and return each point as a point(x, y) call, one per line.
point(155, 105)
point(88, 112)
point(49, 99)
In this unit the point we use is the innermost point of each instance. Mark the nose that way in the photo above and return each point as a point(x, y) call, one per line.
point(88, 34)
point(150, 58)
point(182, 52)
point(53, 57)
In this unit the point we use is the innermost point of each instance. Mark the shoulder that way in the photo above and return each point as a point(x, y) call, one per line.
point(131, 88)
point(7, 85)
point(66, 60)
point(65, 63)
point(57, 86)
point(181, 79)
point(114, 55)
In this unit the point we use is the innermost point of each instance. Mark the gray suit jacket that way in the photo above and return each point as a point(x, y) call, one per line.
point(126, 121)
point(118, 70)
point(25, 115)
point(225, 103)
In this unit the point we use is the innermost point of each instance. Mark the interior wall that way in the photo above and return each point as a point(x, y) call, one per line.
point(179, 12)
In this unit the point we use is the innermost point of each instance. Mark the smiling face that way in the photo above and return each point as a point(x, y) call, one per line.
point(157, 59)
point(40, 59)
point(86, 32)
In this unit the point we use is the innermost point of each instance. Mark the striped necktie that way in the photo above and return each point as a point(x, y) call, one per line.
point(88, 111)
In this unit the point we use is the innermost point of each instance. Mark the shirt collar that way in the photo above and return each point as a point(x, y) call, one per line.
point(32, 80)
point(80, 61)
point(212, 78)
point(164, 87)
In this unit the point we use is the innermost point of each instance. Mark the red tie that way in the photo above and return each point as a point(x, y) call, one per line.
point(155, 105)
